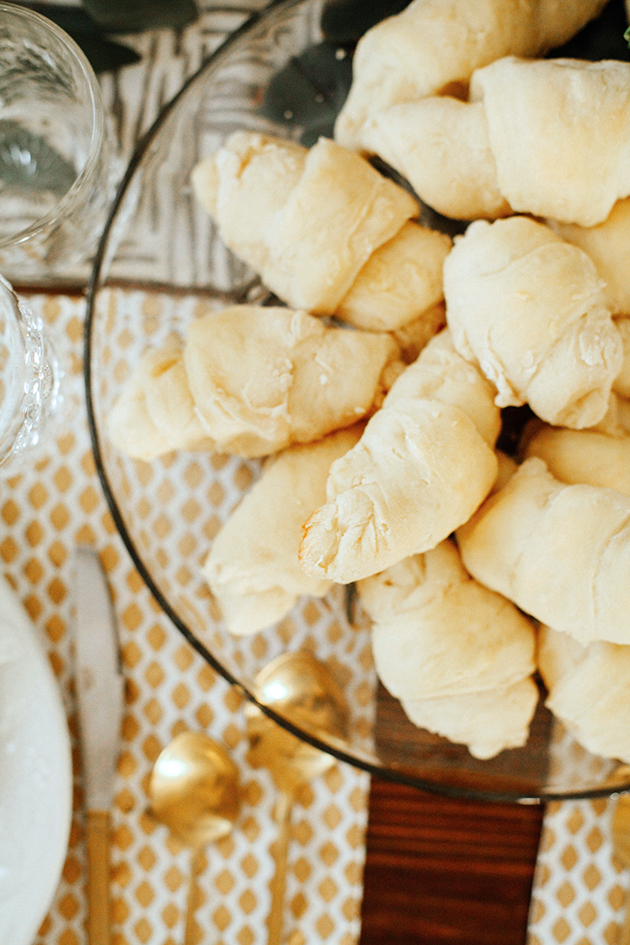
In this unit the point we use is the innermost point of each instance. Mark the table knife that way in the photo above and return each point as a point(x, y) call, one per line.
point(99, 686)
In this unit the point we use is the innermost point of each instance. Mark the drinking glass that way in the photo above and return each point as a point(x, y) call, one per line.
point(57, 163)
point(29, 383)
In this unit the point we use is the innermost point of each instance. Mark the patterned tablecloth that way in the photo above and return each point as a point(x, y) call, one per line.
point(44, 513)
point(169, 687)
point(580, 886)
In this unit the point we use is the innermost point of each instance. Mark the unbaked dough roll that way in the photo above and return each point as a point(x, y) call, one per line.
point(437, 632)
point(441, 146)
point(575, 456)
point(559, 132)
point(252, 568)
point(244, 186)
point(507, 467)
point(530, 310)
point(421, 468)
point(251, 381)
point(616, 421)
point(607, 245)
point(560, 552)
point(435, 43)
point(155, 412)
point(401, 281)
point(318, 218)
point(621, 384)
point(486, 722)
point(416, 335)
point(589, 691)
point(264, 378)
point(440, 638)
point(440, 373)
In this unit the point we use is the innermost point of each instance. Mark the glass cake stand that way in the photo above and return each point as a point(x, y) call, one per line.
point(160, 263)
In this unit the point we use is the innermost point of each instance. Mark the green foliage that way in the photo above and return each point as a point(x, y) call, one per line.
point(310, 90)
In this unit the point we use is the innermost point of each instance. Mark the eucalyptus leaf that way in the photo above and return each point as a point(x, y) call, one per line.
point(134, 16)
point(344, 21)
point(103, 54)
point(310, 90)
point(603, 38)
point(28, 163)
point(71, 19)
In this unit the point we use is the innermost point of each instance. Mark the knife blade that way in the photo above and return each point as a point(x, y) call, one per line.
point(100, 699)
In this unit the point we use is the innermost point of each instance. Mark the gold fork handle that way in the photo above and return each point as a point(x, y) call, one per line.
point(279, 881)
point(196, 866)
point(624, 931)
point(97, 842)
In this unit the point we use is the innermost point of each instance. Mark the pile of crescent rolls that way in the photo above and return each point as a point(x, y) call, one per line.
point(375, 386)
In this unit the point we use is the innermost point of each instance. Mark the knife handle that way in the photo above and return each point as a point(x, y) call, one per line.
point(97, 838)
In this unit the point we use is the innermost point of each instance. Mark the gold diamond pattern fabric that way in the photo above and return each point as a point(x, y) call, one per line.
point(580, 886)
point(169, 687)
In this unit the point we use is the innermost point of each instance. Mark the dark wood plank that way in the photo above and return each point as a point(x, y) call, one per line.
point(441, 870)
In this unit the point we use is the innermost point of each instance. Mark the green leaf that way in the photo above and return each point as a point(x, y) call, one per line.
point(103, 54)
point(345, 21)
point(29, 163)
point(134, 16)
point(310, 90)
point(73, 20)
point(603, 38)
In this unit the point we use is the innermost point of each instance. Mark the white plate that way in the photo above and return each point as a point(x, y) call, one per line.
point(35, 776)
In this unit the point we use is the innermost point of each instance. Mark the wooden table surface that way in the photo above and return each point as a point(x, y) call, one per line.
point(441, 871)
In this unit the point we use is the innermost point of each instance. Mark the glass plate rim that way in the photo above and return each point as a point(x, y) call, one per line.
point(372, 768)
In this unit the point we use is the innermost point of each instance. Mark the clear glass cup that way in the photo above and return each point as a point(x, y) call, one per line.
point(58, 166)
point(30, 376)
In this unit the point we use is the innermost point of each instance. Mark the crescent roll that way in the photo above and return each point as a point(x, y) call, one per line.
point(264, 378)
point(616, 421)
point(400, 282)
point(558, 131)
point(530, 310)
point(621, 384)
point(252, 568)
point(251, 381)
point(441, 146)
point(439, 637)
point(434, 44)
point(440, 373)
point(416, 335)
point(487, 722)
point(575, 456)
point(544, 137)
point(588, 690)
point(560, 552)
point(606, 244)
point(437, 632)
point(155, 412)
point(307, 220)
point(421, 467)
